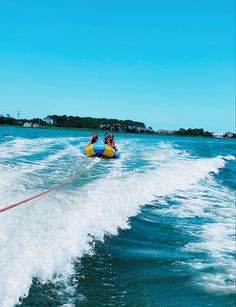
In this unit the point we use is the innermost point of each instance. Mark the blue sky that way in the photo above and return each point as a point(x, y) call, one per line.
point(167, 63)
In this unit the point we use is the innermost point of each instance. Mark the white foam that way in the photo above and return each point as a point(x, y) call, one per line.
point(41, 239)
point(215, 238)
point(27, 147)
point(13, 177)
point(229, 157)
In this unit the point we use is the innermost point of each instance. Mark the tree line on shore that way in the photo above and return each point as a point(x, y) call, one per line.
point(194, 132)
point(103, 124)
point(95, 123)
point(80, 122)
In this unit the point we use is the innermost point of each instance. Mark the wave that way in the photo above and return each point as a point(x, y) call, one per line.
point(26, 147)
point(213, 246)
point(42, 239)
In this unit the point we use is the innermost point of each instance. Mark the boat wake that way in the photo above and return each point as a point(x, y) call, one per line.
point(42, 239)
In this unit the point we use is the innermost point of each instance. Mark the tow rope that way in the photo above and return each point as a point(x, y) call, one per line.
point(43, 192)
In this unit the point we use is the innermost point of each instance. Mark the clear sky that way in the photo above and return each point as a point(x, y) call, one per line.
point(167, 63)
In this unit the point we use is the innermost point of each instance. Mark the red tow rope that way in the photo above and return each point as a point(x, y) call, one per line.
point(43, 192)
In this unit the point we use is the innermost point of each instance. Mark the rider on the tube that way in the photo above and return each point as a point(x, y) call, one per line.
point(93, 139)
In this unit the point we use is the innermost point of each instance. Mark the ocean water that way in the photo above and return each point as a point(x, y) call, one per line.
point(153, 228)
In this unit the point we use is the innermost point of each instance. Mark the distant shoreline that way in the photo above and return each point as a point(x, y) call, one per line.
point(107, 131)
point(73, 123)
point(49, 128)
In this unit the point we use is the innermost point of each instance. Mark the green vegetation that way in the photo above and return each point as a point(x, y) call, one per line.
point(72, 122)
point(80, 122)
point(193, 132)
point(96, 123)
point(8, 121)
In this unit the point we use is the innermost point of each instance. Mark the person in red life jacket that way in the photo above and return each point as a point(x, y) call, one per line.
point(93, 138)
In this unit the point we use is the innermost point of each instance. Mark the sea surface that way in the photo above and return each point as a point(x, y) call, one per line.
point(153, 228)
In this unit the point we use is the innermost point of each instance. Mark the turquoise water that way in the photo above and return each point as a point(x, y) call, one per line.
point(153, 228)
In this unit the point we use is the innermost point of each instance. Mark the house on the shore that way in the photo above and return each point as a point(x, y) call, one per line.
point(218, 135)
point(48, 120)
point(27, 125)
point(126, 128)
point(164, 131)
point(229, 134)
point(31, 125)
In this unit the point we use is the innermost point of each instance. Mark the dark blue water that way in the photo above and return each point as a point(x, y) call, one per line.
point(153, 228)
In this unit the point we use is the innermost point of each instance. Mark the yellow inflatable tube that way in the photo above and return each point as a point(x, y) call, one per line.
point(101, 150)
